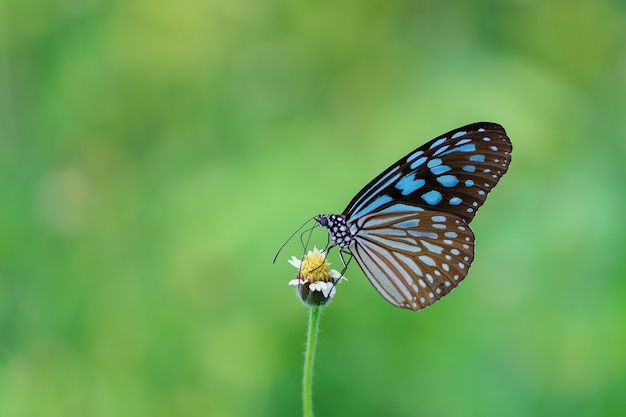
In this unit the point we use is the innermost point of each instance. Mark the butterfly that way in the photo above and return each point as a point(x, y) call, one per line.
point(408, 229)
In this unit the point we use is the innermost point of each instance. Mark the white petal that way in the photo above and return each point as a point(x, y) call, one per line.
point(297, 282)
point(326, 289)
point(337, 275)
point(295, 262)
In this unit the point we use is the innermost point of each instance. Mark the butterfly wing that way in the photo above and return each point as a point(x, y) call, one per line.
point(452, 173)
point(413, 258)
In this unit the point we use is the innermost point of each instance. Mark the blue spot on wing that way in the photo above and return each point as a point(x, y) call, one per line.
point(415, 155)
point(438, 142)
point(466, 148)
point(382, 200)
point(432, 197)
point(418, 233)
point(469, 168)
point(418, 162)
point(463, 148)
point(408, 224)
point(455, 201)
point(448, 180)
point(438, 170)
point(440, 150)
point(477, 158)
point(408, 184)
point(400, 207)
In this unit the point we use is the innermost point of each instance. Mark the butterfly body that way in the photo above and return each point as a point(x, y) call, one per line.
point(408, 229)
point(341, 233)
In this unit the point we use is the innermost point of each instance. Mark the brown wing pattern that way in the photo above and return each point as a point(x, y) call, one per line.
point(413, 258)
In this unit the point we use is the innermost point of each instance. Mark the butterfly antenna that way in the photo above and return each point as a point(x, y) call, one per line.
point(291, 237)
point(326, 250)
point(305, 245)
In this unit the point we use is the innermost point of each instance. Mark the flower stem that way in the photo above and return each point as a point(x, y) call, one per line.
point(309, 354)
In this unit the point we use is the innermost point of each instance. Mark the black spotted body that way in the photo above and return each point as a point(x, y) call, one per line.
point(341, 234)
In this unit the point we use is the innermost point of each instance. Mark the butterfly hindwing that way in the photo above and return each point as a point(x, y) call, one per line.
point(413, 258)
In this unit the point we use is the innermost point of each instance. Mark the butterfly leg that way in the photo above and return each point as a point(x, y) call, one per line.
point(345, 251)
point(345, 265)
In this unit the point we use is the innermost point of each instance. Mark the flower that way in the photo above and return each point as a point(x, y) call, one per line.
point(316, 282)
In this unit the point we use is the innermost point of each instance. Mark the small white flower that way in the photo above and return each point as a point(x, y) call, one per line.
point(315, 276)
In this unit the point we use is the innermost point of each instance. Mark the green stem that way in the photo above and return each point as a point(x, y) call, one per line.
point(307, 379)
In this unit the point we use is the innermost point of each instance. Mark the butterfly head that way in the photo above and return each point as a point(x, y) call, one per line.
point(341, 234)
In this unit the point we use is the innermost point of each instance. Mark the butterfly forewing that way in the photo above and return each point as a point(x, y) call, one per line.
point(452, 173)
point(413, 258)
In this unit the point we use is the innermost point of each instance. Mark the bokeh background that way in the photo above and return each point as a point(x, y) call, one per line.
point(154, 155)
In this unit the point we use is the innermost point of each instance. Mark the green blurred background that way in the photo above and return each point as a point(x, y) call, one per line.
point(154, 155)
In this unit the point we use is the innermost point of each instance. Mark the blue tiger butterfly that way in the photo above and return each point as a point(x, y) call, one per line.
point(408, 229)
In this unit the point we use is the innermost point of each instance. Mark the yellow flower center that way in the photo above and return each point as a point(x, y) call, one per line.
point(315, 267)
